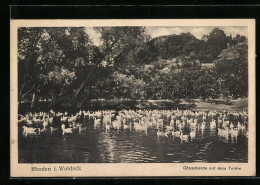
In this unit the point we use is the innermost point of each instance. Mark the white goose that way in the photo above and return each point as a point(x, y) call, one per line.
point(161, 134)
point(108, 127)
point(30, 130)
point(176, 133)
point(169, 128)
point(241, 126)
point(125, 125)
point(139, 127)
point(203, 125)
point(223, 133)
point(64, 119)
point(29, 122)
point(97, 122)
point(50, 120)
point(116, 124)
point(65, 130)
point(184, 137)
point(172, 122)
point(37, 120)
point(72, 119)
point(193, 124)
point(234, 132)
point(213, 124)
point(193, 134)
point(53, 129)
point(107, 119)
point(45, 124)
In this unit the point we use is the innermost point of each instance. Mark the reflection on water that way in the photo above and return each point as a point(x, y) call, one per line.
point(95, 145)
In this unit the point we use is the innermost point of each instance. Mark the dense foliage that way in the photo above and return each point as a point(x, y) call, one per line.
point(63, 66)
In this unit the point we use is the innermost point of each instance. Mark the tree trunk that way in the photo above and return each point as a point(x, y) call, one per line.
point(53, 99)
point(25, 94)
point(81, 102)
point(82, 84)
point(33, 100)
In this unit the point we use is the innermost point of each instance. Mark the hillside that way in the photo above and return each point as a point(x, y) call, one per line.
point(172, 46)
point(188, 49)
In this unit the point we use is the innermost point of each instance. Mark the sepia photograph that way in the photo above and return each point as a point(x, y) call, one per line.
point(124, 93)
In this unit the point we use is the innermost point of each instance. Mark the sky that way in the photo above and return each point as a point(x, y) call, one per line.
point(197, 31)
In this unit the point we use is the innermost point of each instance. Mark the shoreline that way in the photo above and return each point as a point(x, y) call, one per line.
point(181, 104)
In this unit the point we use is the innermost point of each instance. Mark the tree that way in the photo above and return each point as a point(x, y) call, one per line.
point(122, 50)
point(240, 39)
point(83, 58)
point(123, 46)
point(47, 51)
point(28, 50)
point(37, 55)
point(171, 46)
point(209, 50)
point(63, 65)
point(128, 86)
point(232, 70)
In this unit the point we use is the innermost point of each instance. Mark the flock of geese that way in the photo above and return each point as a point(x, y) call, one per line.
point(183, 124)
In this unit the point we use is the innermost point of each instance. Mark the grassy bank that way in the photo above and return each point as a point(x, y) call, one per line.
point(230, 105)
point(194, 104)
point(199, 104)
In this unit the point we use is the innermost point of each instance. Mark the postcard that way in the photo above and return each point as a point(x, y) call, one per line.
point(132, 97)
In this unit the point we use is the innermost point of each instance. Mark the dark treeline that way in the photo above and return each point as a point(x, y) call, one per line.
point(63, 67)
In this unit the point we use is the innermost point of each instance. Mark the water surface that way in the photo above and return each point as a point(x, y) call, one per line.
point(97, 146)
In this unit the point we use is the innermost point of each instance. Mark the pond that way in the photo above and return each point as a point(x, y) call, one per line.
point(95, 144)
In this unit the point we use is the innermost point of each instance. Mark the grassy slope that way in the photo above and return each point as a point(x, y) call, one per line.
point(218, 105)
point(197, 104)
point(236, 105)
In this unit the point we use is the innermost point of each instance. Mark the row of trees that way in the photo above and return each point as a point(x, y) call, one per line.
point(64, 66)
